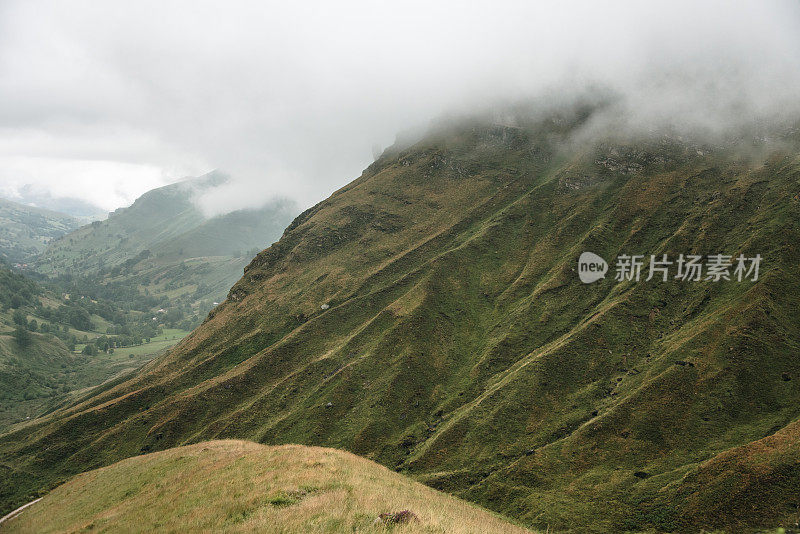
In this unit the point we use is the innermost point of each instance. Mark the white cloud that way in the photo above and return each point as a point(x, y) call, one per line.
point(289, 98)
point(107, 184)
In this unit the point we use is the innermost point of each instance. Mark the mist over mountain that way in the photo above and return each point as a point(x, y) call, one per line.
point(75, 207)
point(25, 231)
point(539, 256)
point(166, 249)
point(429, 316)
point(289, 102)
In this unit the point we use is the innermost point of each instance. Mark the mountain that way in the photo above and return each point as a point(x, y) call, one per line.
point(159, 259)
point(429, 316)
point(302, 489)
point(80, 209)
point(25, 231)
point(167, 248)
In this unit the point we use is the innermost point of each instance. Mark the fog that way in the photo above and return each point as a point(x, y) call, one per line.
point(103, 101)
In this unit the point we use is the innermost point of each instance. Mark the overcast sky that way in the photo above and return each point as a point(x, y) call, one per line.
point(105, 100)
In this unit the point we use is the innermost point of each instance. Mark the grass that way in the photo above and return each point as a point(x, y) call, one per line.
point(156, 345)
point(149, 349)
point(166, 248)
point(45, 375)
point(170, 334)
point(238, 486)
point(458, 346)
point(165, 340)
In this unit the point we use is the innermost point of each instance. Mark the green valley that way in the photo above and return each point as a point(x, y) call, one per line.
point(101, 301)
point(428, 316)
point(25, 231)
point(52, 349)
point(163, 253)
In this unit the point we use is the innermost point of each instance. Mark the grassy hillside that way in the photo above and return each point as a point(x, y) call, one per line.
point(164, 251)
point(429, 316)
point(44, 360)
point(45, 375)
point(155, 217)
point(33, 376)
point(239, 486)
point(25, 231)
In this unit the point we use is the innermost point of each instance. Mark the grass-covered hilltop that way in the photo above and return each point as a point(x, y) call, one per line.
point(238, 486)
point(428, 316)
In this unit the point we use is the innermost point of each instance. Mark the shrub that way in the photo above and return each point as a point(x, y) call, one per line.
point(22, 336)
point(20, 318)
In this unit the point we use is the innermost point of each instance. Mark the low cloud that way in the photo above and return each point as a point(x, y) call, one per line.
point(289, 99)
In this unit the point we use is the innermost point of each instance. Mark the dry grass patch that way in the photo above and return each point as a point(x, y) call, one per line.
point(239, 486)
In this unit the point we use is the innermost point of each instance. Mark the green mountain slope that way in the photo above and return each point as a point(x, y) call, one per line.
point(42, 366)
point(254, 488)
point(25, 231)
point(155, 217)
point(29, 374)
point(429, 316)
point(166, 248)
point(34, 368)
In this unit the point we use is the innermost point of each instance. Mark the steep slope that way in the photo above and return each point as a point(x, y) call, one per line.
point(155, 217)
point(429, 316)
point(239, 486)
point(33, 367)
point(164, 246)
point(25, 231)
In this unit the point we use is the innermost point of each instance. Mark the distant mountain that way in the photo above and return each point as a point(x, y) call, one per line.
point(25, 231)
point(167, 247)
point(430, 316)
point(75, 207)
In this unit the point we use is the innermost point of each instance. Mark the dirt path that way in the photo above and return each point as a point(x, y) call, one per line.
point(17, 511)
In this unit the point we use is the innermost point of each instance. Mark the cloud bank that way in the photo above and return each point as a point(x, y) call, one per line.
point(105, 100)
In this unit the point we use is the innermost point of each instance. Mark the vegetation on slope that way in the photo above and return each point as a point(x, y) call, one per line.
point(66, 332)
point(163, 252)
point(25, 231)
point(238, 486)
point(428, 316)
point(51, 346)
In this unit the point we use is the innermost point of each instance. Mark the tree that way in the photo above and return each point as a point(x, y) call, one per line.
point(22, 336)
point(89, 350)
point(20, 318)
point(80, 319)
point(17, 301)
